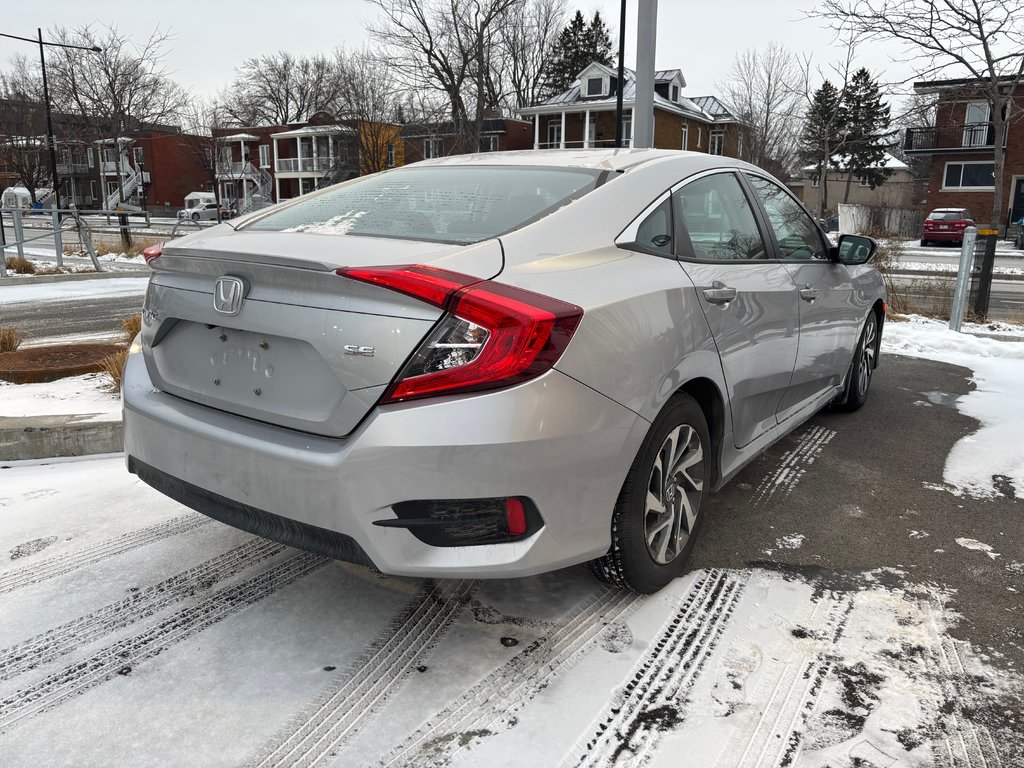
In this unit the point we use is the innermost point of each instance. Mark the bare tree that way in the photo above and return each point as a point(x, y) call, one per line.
point(279, 88)
point(979, 39)
point(448, 46)
point(762, 89)
point(119, 89)
point(23, 148)
point(527, 39)
point(371, 102)
point(199, 119)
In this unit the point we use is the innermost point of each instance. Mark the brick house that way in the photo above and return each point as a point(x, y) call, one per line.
point(498, 134)
point(960, 146)
point(584, 115)
point(151, 169)
point(256, 165)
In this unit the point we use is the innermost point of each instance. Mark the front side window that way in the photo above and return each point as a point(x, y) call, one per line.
point(799, 238)
point(969, 176)
point(716, 222)
point(448, 204)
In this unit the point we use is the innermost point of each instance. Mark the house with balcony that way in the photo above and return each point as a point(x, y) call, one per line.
point(312, 156)
point(584, 115)
point(961, 145)
point(151, 169)
point(243, 167)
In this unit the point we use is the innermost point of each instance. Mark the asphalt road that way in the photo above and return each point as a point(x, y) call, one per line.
point(865, 489)
point(70, 317)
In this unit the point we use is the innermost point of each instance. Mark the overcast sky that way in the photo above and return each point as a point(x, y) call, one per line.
point(212, 37)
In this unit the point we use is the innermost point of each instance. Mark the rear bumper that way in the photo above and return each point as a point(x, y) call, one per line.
point(944, 236)
point(553, 440)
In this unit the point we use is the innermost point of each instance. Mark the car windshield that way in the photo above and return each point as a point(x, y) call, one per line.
point(947, 215)
point(446, 204)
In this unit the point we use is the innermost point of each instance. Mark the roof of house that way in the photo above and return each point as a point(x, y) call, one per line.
point(491, 125)
point(313, 130)
point(572, 96)
point(937, 86)
point(889, 162)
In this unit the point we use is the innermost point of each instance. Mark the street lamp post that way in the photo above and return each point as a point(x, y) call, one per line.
point(46, 99)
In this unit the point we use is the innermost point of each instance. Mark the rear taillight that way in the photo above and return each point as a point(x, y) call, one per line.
point(153, 253)
point(493, 335)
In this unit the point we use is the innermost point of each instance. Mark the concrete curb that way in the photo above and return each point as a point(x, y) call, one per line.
point(47, 437)
point(140, 272)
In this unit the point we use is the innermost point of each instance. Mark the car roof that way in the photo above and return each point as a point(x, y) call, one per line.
point(602, 159)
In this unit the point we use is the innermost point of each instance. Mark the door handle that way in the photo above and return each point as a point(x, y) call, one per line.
point(719, 293)
point(808, 294)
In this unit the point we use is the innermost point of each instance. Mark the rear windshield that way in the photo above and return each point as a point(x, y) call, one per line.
point(445, 204)
point(948, 215)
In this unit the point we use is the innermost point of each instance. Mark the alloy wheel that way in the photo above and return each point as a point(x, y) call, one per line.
point(866, 363)
point(674, 494)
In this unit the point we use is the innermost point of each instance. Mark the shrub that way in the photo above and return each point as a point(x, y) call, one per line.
point(112, 366)
point(10, 340)
point(20, 265)
point(130, 327)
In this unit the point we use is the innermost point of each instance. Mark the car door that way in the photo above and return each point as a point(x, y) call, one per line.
point(749, 299)
point(829, 319)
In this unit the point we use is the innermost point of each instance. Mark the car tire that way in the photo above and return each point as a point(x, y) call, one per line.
point(865, 360)
point(195, 217)
point(923, 242)
point(648, 547)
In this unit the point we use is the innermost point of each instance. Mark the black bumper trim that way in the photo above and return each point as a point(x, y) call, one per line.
point(311, 538)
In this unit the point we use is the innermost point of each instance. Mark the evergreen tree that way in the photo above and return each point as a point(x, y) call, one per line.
point(866, 120)
point(823, 135)
point(578, 45)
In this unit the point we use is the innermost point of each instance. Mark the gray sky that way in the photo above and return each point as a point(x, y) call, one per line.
point(213, 36)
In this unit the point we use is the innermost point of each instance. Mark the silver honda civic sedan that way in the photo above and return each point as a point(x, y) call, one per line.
point(496, 365)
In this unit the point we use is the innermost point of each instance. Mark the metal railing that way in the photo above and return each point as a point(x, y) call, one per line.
point(963, 136)
point(303, 164)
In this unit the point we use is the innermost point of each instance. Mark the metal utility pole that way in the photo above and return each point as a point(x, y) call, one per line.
point(643, 103)
point(46, 99)
point(622, 67)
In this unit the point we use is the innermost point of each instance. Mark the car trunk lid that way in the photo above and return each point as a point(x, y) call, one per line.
point(304, 348)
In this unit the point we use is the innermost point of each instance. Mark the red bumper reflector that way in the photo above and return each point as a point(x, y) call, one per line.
point(515, 517)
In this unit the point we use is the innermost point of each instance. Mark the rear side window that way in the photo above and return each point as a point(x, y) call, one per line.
point(449, 204)
point(948, 215)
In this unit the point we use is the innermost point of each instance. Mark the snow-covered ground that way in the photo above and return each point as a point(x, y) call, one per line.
point(934, 266)
point(136, 632)
point(87, 396)
point(77, 289)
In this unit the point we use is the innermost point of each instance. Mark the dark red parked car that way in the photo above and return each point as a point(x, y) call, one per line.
point(946, 225)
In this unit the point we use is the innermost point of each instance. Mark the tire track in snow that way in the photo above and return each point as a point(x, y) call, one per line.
point(491, 704)
point(59, 565)
point(52, 644)
point(312, 737)
point(794, 692)
point(965, 744)
point(794, 464)
point(120, 657)
point(652, 701)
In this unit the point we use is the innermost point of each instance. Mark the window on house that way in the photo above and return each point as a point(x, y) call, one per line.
point(92, 190)
point(138, 155)
point(865, 180)
point(976, 124)
point(432, 148)
point(90, 158)
point(675, 93)
point(264, 155)
point(229, 191)
point(686, 137)
point(225, 157)
point(489, 143)
point(390, 155)
point(969, 176)
point(555, 133)
point(595, 86)
point(739, 145)
point(700, 136)
point(716, 142)
point(627, 129)
point(815, 181)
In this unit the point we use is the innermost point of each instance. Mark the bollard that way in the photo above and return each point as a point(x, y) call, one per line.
point(963, 276)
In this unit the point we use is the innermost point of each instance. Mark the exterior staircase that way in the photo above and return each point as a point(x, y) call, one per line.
point(339, 171)
point(261, 192)
point(129, 185)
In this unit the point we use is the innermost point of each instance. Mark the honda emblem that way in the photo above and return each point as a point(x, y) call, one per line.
point(228, 295)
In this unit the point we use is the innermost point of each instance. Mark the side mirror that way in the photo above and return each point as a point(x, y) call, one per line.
point(854, 249)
